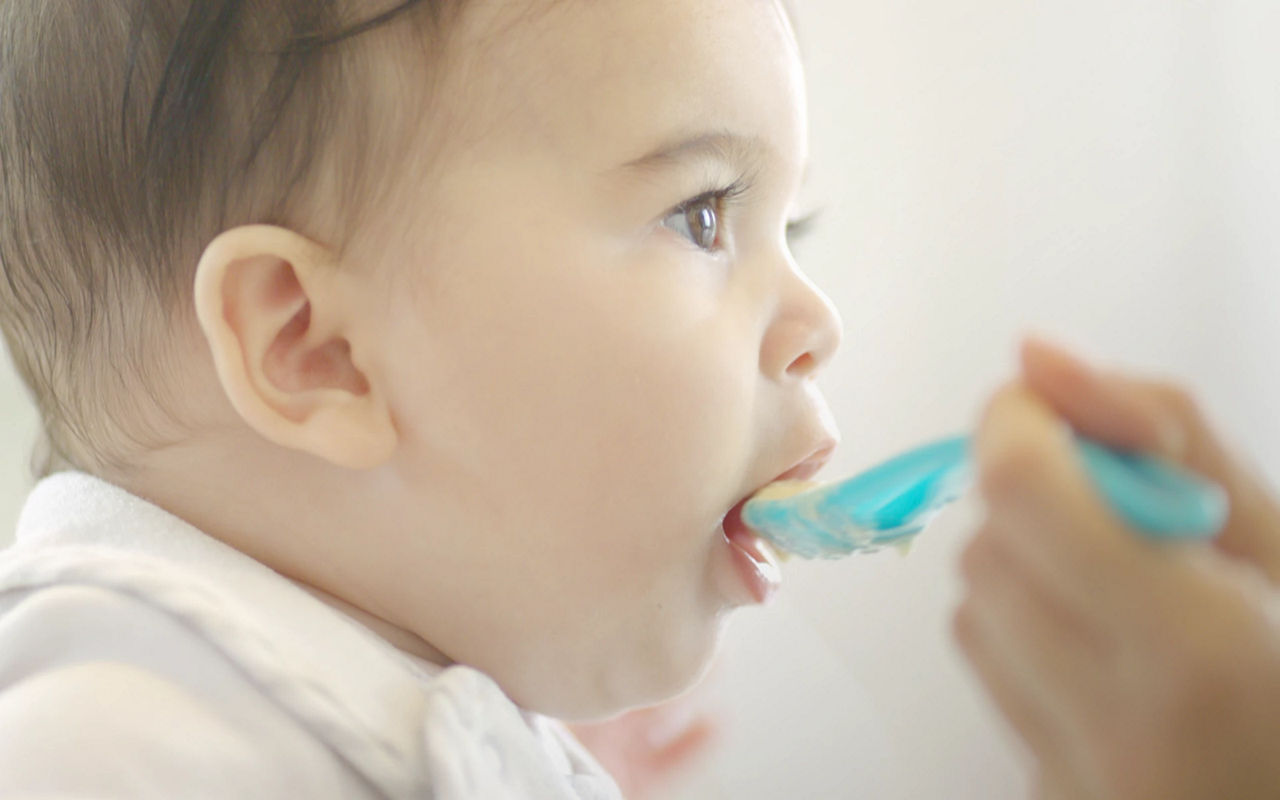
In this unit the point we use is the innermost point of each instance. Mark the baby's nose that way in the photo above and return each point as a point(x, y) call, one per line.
point(805, 332)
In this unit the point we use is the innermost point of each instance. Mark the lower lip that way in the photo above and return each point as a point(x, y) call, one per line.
point(753, 559)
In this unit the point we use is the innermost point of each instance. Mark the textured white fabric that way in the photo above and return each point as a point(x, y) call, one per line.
point(141, 658)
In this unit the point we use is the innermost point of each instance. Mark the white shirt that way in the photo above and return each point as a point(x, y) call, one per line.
point(142, 658)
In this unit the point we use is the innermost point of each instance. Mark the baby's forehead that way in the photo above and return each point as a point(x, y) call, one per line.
point(616, 75)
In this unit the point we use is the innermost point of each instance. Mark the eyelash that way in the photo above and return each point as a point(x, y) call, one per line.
point(723, 199)
point(801, 228)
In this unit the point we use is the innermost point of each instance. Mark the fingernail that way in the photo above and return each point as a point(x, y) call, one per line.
point(1168, 432)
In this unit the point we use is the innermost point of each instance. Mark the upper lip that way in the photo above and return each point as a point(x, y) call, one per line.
point(804, 469)
point(810, 465)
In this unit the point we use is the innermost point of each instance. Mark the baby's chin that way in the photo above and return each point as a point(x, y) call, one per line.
point(613, 686)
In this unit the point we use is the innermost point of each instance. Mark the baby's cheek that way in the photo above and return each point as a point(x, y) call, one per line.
point(697, 434)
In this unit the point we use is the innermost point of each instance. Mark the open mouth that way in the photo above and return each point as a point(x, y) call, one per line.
point(756, 560)
point(800, 472)
point(733, 524)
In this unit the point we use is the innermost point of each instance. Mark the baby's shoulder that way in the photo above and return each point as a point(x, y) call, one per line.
point(78, 607)
point(102, 690)
point(60, 625)
point(75, 724)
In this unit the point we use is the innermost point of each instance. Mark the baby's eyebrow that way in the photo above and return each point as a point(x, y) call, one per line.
point(745, 152)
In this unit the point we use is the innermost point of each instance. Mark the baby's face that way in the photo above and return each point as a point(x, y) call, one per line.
point(597, 343)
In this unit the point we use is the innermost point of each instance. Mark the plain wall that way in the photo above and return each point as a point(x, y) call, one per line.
point(1104, 172)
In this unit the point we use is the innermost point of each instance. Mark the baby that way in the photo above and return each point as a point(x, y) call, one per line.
point(398, 363)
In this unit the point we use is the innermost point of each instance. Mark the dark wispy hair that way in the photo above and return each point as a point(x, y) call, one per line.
point(131, 133)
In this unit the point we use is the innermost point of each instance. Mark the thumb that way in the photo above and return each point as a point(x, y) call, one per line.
point(1161, 419)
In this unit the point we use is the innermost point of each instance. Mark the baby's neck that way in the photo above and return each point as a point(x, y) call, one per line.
point(398, 637)
point(233, 492)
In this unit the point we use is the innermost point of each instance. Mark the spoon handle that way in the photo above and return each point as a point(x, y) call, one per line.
point(1156, 497)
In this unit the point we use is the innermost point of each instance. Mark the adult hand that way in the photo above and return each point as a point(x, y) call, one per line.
point(1131, 669)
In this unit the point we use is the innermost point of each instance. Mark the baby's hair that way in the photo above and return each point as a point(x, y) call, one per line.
point(132, 132)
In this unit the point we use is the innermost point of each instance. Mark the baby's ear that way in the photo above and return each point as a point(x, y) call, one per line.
point(271, 305)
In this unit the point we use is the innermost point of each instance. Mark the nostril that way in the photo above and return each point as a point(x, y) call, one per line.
point(802, 366)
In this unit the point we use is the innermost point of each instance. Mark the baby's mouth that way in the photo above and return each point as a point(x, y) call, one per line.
point(763, 558)
point(733, 524)
point(802, 471)
point(755, 559)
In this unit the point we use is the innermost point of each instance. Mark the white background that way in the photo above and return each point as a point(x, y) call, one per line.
point(1103, 171)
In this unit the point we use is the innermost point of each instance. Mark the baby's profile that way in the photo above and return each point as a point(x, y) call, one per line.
point(398, 363)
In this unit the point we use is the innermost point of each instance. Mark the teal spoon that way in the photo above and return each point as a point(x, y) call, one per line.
point(891, 502)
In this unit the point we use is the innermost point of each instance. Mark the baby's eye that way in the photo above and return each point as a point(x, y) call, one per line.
point(698, 221)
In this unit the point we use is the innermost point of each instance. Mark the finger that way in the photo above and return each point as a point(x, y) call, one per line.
point(1061, 661)
point(1036, 491)
point(1027, 719)
point(1093, 405)
point(1163, 419)
point(1022, 693)
point(1252, 529)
